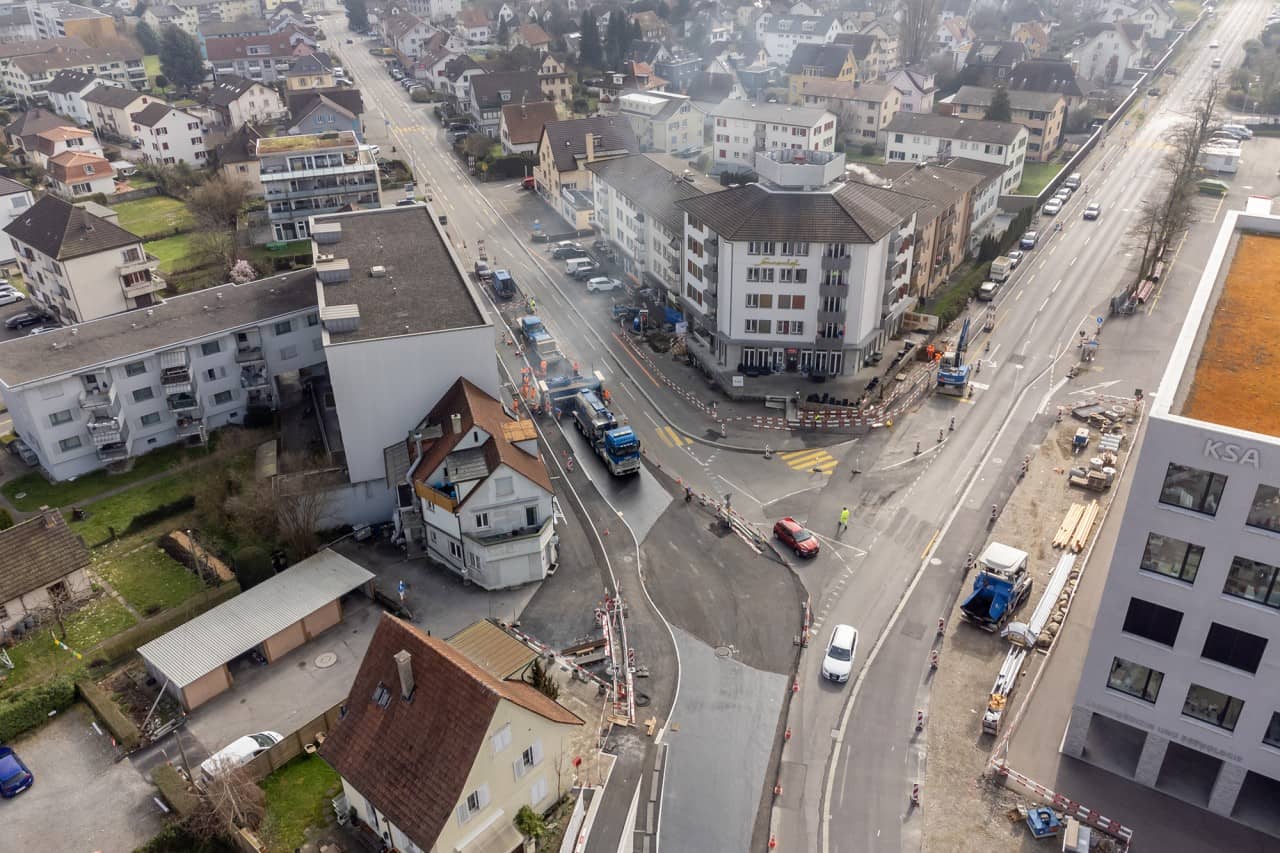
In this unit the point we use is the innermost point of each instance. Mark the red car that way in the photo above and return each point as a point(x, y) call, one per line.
point(794, 536)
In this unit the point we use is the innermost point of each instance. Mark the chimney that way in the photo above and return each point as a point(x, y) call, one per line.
point(591, 147)
point(455, 423)
point(404, 665)
point(50, 518)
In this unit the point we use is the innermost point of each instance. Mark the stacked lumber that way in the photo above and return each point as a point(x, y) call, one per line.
point(1081, 534)
point(1063, 537)
point(1076, 526)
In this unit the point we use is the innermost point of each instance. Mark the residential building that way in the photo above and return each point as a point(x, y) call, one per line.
point(885, 31)
point(111, 110)
point(1032, 35)
point(801, 271)
point(407, 35)
point(455, 80)
point(1048, 75)
point(42, 568)
point(1178, 689)
point(778, 35)
point(650, 26)
point(635, 210)
point(15, 25)
point(493, 745)
point(20, 134)
point(479, 497)
point(326, 111)
point(521, 126)
point(556, 79)
point(992, 62)
point(237, 101)
point(73, 174)
point(819, 62)
point(862, 109)
point(1155, 18)
point(474, 25)
point(187, 15)
point(311, 174)
point(170, 136)
point(55, 19)
point(239, 28)
point(489, 93)
point(916, 88)
point(265, 59)
point(564, 151)
point(27, 77)
point(14, 199)
point(238, 158)
point(66, 93)
point(985, 203)
point(79, 267)
point(1043, 114)
point(679, 71)
point(915, 137)
point(531, 36)
point(10, 51)
point(760, 79)
point(1108, 51)
point(741, 128)
point(54, 141)
point(648, 52)
point(661, 121)
point(313, 71)
point(955, 39)
point(436, 11)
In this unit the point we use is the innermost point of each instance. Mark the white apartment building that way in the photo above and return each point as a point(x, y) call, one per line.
point(66, 94)
point(801, 272)
point(314, 173)
point(28, 76)
point(74, 175)
point(662, 121)
point(1180, 689)
point(435, 11)
point(188, 14)
point(79, 267)
point(740, 129)
point(170, 135)
point(635, 210)
point(14, 199)
point(913, 137)
point(111, 109)
point(779, 35)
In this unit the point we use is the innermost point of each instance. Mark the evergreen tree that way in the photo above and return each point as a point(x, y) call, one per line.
point(147, 38)
point(999, 109)
point(180, 58)
point(504, 32)
point(589, 48)
point(357, 14)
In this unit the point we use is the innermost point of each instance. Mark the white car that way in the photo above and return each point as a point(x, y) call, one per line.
point(837, 664)
point(1051, 207)
point(1213, 45)
point(9, 297)
point(601, 284)
point(239, 752)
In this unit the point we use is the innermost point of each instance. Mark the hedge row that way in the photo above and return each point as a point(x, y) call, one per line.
point(143, 520)
point(951, 302)
point(29, 708)
point(126, 733)
point(127, 641)
point(174, 789)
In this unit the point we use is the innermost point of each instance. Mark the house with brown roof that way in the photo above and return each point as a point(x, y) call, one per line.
point(473, 491)
point(50, 143)
point(73, 174)
point(531, 36)
point(42, 564)
point(262, 58)
point(521, 125)
point(436, 753)
point(565, 149)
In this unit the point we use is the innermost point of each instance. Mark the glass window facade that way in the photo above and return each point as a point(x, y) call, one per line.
point(1193, 489)
point(1171, 557)
point(1134, 679)
point(1212, 707)
point(1253, 581)
point(1265, 512)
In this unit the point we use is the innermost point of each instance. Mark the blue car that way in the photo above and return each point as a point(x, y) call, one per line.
point(14, 775)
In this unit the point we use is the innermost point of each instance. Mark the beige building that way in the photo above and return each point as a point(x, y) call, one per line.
point(438, 753)
point(42, 565)
point(1043, 114)
point(661, 121)
point(863, 109)
point(111, 109)
point(564, 150)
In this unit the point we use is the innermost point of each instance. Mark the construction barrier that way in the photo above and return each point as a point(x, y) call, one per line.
point(1062, 803)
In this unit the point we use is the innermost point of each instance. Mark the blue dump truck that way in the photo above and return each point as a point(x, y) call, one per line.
point(1001, 587)
point(538, 339)
point(618, 446)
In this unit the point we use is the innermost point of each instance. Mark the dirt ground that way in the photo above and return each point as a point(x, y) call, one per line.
point(964, 809)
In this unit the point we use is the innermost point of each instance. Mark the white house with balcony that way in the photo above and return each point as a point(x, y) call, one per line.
point(779, 35)
point(314, 173)
point(741, 128)
point(170, 135)
point(918, 137)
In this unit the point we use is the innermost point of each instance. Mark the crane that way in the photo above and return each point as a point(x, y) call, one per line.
point(953, 373)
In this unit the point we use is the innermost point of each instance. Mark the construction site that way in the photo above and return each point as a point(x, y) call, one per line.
point(995, 642)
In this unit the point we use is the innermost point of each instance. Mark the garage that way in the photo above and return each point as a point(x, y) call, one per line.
point(275, 617)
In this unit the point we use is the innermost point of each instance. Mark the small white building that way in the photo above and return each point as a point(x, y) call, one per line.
point(741, 128)
point(662, 121)
point(170, 135)
point(42, 568)
point(72, 174)
point(916, 137)
point(237, 101)
point(66, 94)
point(778, 35)
point(1108, 51)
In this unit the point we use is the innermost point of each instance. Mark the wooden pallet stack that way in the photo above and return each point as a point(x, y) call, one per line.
point(1074, 531)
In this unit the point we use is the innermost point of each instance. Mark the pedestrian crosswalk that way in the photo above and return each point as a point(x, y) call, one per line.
point(810, 460)
point(671, 438)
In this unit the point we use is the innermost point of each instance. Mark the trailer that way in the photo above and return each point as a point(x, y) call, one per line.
point(1002, 690)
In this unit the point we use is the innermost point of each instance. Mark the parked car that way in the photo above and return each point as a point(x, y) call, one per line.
point(1052, 207)
point(15, 777)
point(1154, 91)
point(9, 296)
point(1015, 257)
point(239, 752)
point(793, 534)
point(41, 330)
point(1029, 240)
point(567, 249)
point(24, 319)
point(1213, 45)
point(1093, 211)
point(584, 271)
point(602, 284)
point(837, 663)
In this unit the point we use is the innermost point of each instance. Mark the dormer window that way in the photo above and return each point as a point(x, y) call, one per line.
point(88, 170)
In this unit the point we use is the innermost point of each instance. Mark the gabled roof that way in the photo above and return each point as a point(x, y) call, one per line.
point(1019, 99)
point(153, 113)
point(241, 147)
point(775, 113)
point(950, 127)
point(473, 17)
point(519, 86)
point(47, 140)
point(649, 185)
point(401, 24)
point(477, 409)
point(710, 88)
point(32, 122)
point(916, 80)
point(826, 59)
point(217, 29)
point(347, 101)
point(108, 95)
point(860, 43)
point(63, 231)
point(71, 166)
point(38, 552)
point(66, 82)
point(996, 54)
point(533, 35)
point(1045, 75)
point(311, 64)
point(312, 102)
point(644, 51)
point(525, 121)
point(230, 88)
point(412, 758)
point(459, 65)
point(237, 47)
point(101, 54)
point(8, 186)
point(795, 24)
point(567, 140)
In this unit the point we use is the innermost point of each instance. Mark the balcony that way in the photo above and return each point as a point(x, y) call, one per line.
point(833, 264)
point(248, 354)
point(185, 402)
point(711, 273)
point(830, 317)
point(192, 426)
point(114, 452)
point(496, 538)
point(177, 380)
point(278, 193)
point(333, 205)
point(833, 288)
point(104, 398)
point(254, 377)
point(108, 429)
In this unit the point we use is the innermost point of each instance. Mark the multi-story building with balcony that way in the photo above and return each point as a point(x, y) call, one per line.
point(79, 267)
point(1043, 114)
point(800, 272)
point(917, 137)
point(170, 135)
point(1180, 689)
point(310, 174)
point(29, 76)
point(740, 129)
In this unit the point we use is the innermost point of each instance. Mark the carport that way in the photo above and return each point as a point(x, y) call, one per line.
point(276, 617)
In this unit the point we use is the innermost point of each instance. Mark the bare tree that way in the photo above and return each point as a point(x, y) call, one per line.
point(919, 27)
point(216, 205)
point(229, 800)
point(299, 515)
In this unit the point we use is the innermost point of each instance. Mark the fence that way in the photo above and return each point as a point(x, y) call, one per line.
point(293, 745)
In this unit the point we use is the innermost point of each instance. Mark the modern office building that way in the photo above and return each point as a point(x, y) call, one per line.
point(1180, 690)
point(314, 173)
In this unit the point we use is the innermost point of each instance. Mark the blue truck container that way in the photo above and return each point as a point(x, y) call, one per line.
point(1001, 587)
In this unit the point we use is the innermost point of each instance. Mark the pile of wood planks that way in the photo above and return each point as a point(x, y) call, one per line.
point(1075, 528)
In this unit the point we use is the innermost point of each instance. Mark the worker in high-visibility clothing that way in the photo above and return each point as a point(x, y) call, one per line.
point(844, 520)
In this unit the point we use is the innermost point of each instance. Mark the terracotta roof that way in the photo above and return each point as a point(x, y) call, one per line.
point(63, 231)
point(223, 49)
point(473, 16)
point(525, 121)
point(477, 409)
point(46, 141)
point(533, 35)
point(37, 552)
point(412, 758)
point(71, 166)
point(568, 139)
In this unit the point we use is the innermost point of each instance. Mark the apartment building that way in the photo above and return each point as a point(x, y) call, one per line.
point(862, 109)
point(14, 199)
point(314, 173)
point(489, 93)
point(79, 267)
point(28, 77)
point(779, 35)
point(408, 35)
point(111, 109)
point(52, 20)
point(1043, 114)
point(565, 150)
point(916, 137)
point(15, 24)
point(240, 28)
point(799, 272)
point(265, 59)
point(1108, 51)
point(1180, 688)
point(635, 210)
point(942, 237)
point(66, 93)
point(237, 101)
point(170, 135)
point(916, 88)
point(313, 71)
point(819, 62)
point(741, 128)
point(661, 121)
point(520, 129)
point(187, 15)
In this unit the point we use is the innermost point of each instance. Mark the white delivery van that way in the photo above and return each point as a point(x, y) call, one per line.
point(572, 265)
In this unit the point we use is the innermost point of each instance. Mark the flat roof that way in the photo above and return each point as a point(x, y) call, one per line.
point(220, 635)
point(424, 289)
point(306, 142)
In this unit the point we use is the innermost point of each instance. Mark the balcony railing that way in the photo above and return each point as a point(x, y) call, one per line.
point(496, 538)
point(311, 192)
point(191, 427)
point(184, 402)
point(251, 377)
point(100, 399)
point(248, 354)
point(146, 262)
point(841, 264)
point(107, 430)
point(113, 452)
point(177, 380)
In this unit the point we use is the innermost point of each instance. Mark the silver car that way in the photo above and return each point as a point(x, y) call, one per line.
point(602, 284)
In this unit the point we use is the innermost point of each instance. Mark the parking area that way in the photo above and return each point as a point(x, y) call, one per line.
point(82, 798)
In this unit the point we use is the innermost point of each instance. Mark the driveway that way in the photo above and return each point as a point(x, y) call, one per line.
point(82, 799)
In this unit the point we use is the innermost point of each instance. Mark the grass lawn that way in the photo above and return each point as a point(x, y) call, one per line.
point(117, 511)
point(261, 256)
point(148, 578)
point(1036, 176)
point(1186, 10)
point(151, 62)
point(298, 796)
point(175, 253)
point(156, 216)
point(853, 154)
point(36, 657)
point(36, 491)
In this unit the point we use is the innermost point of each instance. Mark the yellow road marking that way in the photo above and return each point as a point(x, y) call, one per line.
point(808, 460)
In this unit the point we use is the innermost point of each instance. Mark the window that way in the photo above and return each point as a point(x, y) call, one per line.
point(222, 398)
point(151, 419)
point(760, 274)
point(482, 520)
point(791, 302)
point(790, 327)
point(1234, 648)
point(143, 394)
point(532, 756)
point(69, 443)
point(135, 368)
point(531, 516)
point(1193, 489)
point(1253, 581)
point(284, 327)
point(210, 348)
point(455, 550)
point(501, 739)
point(60, 418)
point(760, 247)
point(288, 352)
point(1210, 706)
point(759, 300)
point(1174, 558)
point(475, 801)
point(1134, 679)
point(504, 486)
point(759, 327)
point(1271, 738)
point(313, 319)
point(1153, 621)
point(1265, 512)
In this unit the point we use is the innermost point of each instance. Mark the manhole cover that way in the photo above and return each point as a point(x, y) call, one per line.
point(724, 651)
point(326, 660)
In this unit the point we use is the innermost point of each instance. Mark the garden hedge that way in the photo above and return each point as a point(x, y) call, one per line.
point(126, 733)
point(30, 708)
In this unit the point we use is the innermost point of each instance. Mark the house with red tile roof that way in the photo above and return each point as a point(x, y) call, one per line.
point(73, 174)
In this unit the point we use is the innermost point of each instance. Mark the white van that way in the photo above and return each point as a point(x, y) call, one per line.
point(988, 291)
point(1237, 130)
point(572, 265)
